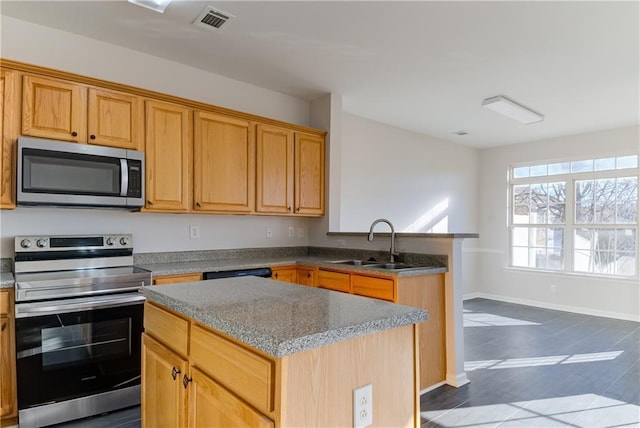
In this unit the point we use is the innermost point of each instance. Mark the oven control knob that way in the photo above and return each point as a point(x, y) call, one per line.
point(41, 243)
point(25, 243)
point(111, 241)
point(124, 240)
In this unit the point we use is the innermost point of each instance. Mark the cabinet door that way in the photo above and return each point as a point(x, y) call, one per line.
point(274, 169)
point(7, 359)
point(306, 276)
point(115, 119)
point(9, 130)
point(285, 274)
point(168, 157)
point(368, 286)
point(164, 398)
point(211, 405)
point(224, 163)
point(54, 109)
point(309, 174)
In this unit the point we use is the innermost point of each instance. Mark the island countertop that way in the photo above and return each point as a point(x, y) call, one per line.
point(279, 318)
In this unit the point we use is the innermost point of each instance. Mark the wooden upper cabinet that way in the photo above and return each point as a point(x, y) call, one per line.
point(62, 110)
point(9, 131)
point(274, 170)
point(168, 157)
point(223, 163)
point(115, 119)
point(54, 109)
point(309, 174)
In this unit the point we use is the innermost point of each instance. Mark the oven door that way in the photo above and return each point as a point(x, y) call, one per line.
point(77, 347)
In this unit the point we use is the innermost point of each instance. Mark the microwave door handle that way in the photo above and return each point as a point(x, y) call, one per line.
point(124, 177)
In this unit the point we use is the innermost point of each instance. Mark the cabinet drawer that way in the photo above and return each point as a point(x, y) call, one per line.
point(170, 329)
point(4, 302)
point(245, 373)
point(174, 279)
point(334, 280)
point(379, 288)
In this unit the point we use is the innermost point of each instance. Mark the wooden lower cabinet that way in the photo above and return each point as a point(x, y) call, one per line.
point(306, 276)
point(284, 273)
point(174, 279)
point(212, 405)
point(8, 403)
point(220, 382)
point(163, 395)
point(423, 291)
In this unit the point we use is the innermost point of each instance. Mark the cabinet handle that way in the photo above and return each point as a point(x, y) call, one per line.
point(186, 380)
point(74, 134)
point(93, 137)
point(308, 274)
point(149, 202)
point(4, 326)
point(275, 275)
point(289, 209)
point(174, 373)
point(298, 209)
point(198, 204)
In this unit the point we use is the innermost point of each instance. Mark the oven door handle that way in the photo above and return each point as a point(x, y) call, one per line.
point(30, 310)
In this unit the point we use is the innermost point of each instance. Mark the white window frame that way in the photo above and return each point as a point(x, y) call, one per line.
point(570, 224)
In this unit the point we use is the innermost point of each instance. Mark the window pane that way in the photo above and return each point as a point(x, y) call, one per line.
point(627, 212)
point(605, 212)
point(582, 261)
point(557, 192)
point(520, 236)
point(625, 240)
point(556, 214)
point(538, 170)
point(582, 239)
point(626, 264)
point(555, 237)
point(555, 259)
point(582, 166)
point(539, 204)
point(604, 164)
point(623, 162)
point(520, 256)
point(584, 213)
point(627, 188)
point(605, 189)
point(521, 172)
point(559, 168)
point(584, 190)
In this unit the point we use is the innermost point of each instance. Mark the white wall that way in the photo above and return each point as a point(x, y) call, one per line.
point(418, 182)
point(34, 44)
point(598, 296)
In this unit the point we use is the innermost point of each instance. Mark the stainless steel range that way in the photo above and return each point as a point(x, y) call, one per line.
point(78, 326)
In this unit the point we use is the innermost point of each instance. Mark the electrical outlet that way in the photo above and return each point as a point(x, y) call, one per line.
point(341, 243)
point(194, 232)
point(300, 232)
point(292, 232)
point(269, 233)
point(363, 406)
point(553, 288)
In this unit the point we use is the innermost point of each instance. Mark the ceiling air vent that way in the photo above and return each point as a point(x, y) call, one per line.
point(212, 18)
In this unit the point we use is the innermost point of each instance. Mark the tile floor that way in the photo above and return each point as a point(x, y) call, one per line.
point(532, 367)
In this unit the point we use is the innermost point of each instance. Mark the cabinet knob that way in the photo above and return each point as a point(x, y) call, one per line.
point(275, 275)
point(4, 326)
point(74, 134)
point(308, 274)
point(298, 209)
point(149, 202)
point(198, 204)
point(174, 373)
point(186, 380)
point(93, 137)
point(289, 209)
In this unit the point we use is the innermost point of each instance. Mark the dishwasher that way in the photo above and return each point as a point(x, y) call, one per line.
point(261, 272)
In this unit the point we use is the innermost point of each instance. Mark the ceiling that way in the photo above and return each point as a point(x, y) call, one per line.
point(421, 66)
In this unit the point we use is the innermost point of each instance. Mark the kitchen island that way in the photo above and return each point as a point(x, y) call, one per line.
point(252, 351)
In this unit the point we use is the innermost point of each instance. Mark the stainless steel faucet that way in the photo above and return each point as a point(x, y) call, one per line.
point(392, 251)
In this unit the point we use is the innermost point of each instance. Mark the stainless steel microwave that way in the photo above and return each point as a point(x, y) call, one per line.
point(56, 173)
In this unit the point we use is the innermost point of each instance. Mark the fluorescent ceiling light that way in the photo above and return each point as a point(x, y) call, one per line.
point(510, 109)
point(157, 5)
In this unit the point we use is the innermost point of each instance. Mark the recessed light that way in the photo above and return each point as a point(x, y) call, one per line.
point(156, 5)
point(512, 109)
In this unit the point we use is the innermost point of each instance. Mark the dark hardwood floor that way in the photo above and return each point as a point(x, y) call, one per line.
point(532, 367)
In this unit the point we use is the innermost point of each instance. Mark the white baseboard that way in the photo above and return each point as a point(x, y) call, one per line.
point(432, 387)
point(545, 305)
point(457, 380)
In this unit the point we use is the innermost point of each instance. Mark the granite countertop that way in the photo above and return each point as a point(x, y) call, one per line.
point(279, 318)
point(175, 268)
point(6, 280)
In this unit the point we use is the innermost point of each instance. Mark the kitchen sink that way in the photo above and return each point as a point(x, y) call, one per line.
point(378, 265)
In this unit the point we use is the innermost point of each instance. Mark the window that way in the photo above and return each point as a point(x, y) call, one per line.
point(576, 216)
